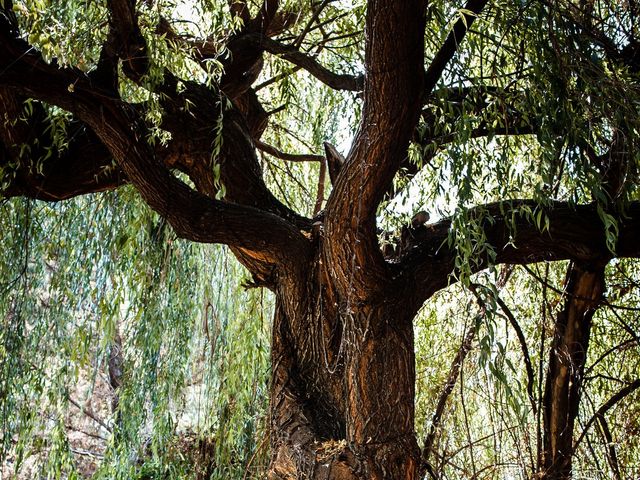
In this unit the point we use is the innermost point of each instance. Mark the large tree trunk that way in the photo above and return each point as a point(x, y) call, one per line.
point(567, 357)
point(342, 397)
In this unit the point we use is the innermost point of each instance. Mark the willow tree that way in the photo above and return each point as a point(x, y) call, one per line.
point(525, 113)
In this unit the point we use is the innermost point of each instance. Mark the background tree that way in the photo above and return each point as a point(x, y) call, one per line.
point(513, 123)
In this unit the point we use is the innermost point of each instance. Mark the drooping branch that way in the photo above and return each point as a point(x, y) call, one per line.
point(496, 112)
point(83, 167)
point(525, 350)
point(606, 406)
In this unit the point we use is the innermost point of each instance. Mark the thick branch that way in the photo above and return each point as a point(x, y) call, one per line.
point(394, 57)
point(289, 157)
point(302, 60)
point(565, 370)
point(130, 45)
point(34, 167)
point(191, 117)
point(574, 232)
point(192, 215)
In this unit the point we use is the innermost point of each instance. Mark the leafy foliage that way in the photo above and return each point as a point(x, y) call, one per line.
point(155, 341)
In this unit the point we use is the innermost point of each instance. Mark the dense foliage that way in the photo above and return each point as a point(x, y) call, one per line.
point(128, 350)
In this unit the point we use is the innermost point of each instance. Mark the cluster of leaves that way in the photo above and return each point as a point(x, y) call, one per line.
point(99, 281)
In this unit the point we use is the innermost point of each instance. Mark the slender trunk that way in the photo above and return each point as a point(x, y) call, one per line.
point(343, 385)
point(584, 288)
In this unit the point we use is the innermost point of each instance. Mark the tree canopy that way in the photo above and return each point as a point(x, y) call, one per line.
point(333, 239)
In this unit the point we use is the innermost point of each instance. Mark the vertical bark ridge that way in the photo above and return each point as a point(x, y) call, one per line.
point(343, 385)
point(380, 384)
point(394, 59)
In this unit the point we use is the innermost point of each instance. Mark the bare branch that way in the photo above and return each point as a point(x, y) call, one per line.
point(320, 195)
point(289, 157)
point(90, 414)
point(302, 60)
point(612, 457)
point(606, 406)
point(314, 17)
point(335, 161)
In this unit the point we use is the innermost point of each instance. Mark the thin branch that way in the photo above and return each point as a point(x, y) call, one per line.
point(86, 453)
point(311, 65)
point(276, 78)
point(629, 341)
point(90, 414)
point(525, 349)
point(289, 157)
point(314, 17)
point(612, 457)
point(605, 302)
point(445, 393)
point(88, 434)
point(624, 392)
point(451, 44)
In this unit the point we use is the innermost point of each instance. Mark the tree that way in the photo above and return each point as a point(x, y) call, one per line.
point(527, 113)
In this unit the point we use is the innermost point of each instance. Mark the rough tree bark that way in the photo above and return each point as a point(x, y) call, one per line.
point(567, 357)
point(343, 373)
